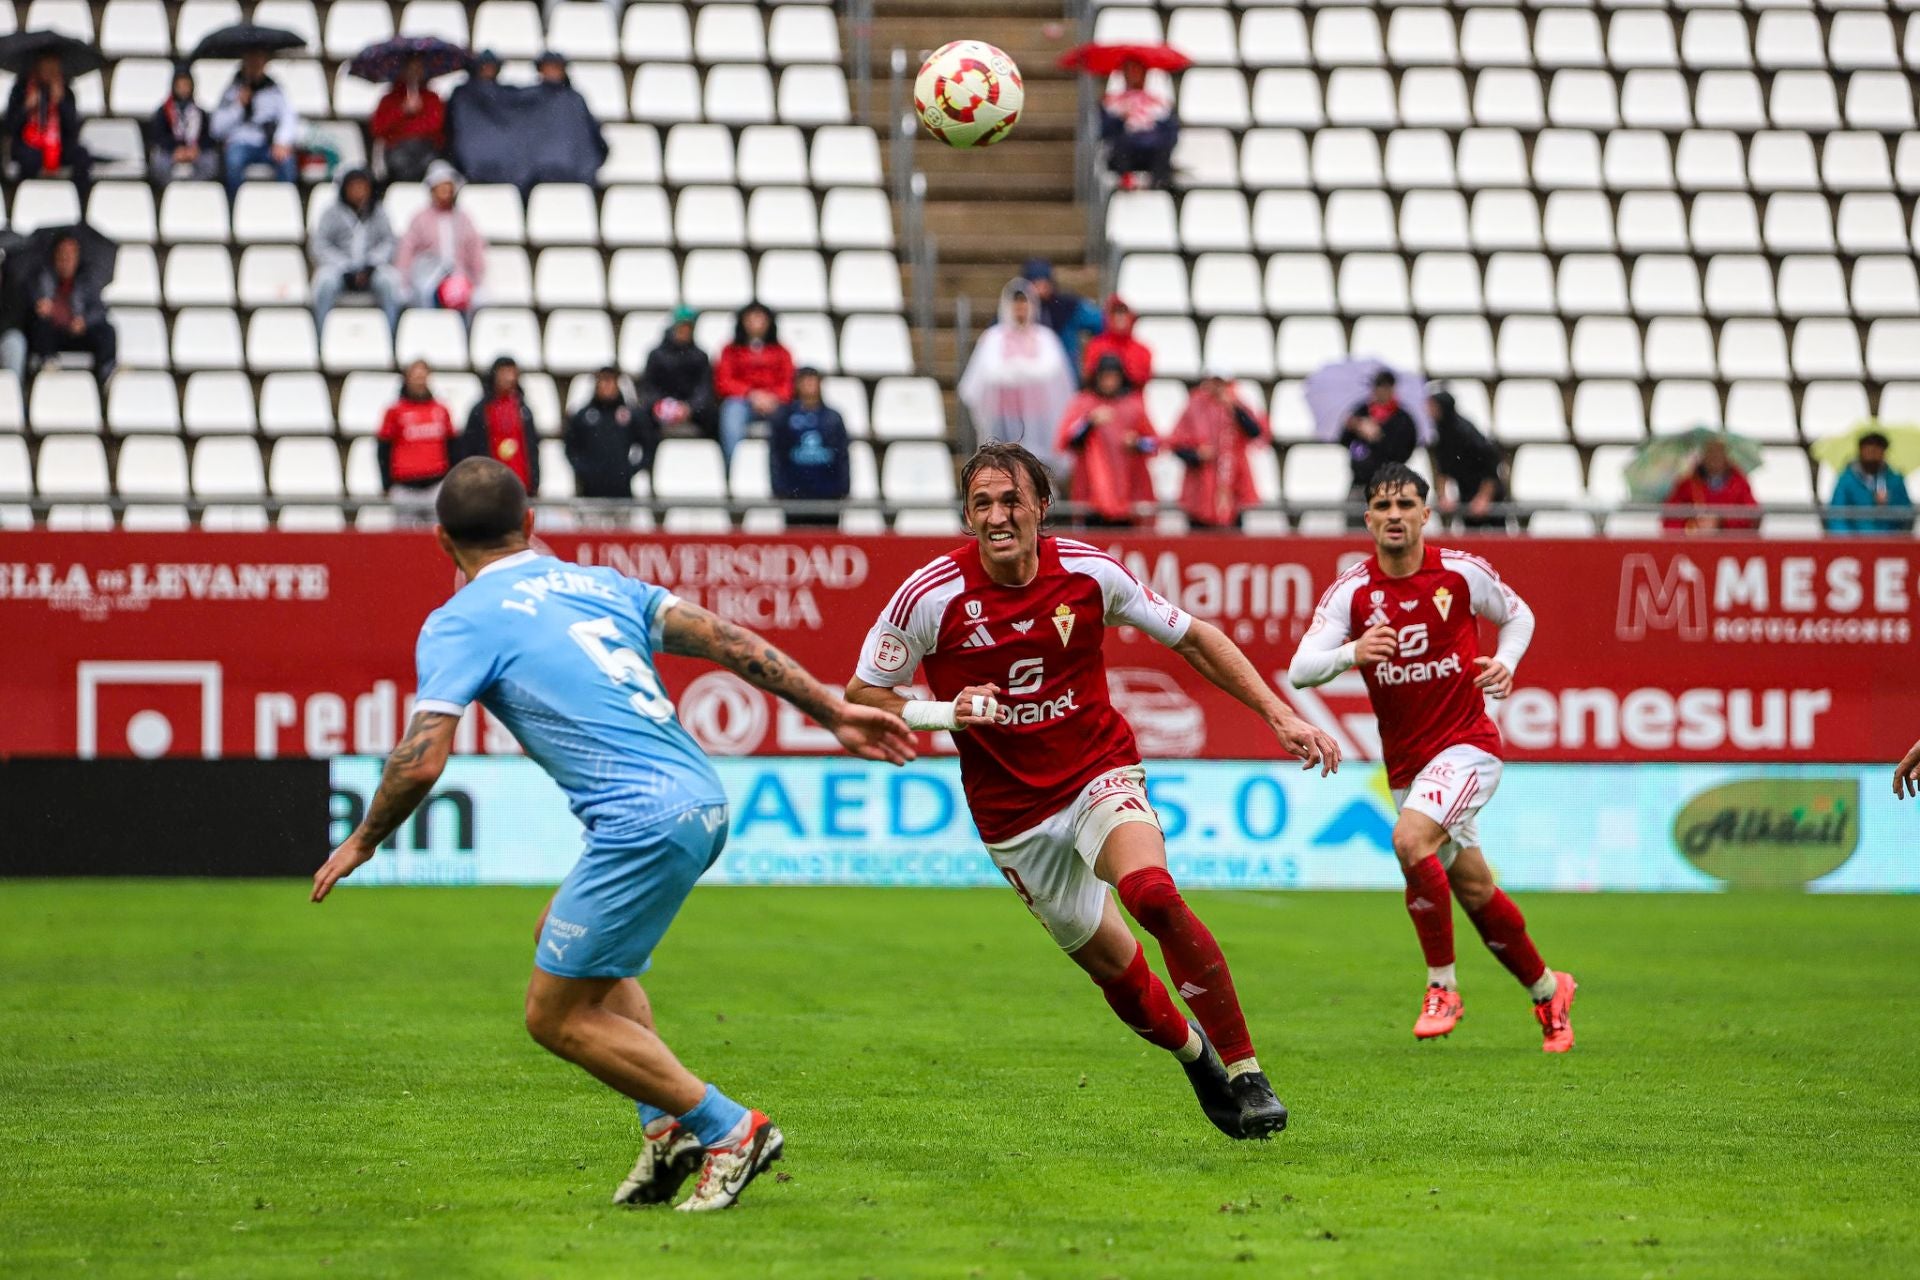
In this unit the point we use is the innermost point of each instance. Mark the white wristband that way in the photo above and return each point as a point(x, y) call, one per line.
point(920, 714)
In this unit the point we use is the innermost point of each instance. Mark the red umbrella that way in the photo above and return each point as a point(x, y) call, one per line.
point(1105, 59)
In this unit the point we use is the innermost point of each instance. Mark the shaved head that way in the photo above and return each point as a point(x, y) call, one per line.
point(482, 504)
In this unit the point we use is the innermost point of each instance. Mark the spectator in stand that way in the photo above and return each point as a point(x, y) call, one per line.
point(1468, 466)
point(605, 442)
point(1140, 131)
point(442, 257)
point(178, 144)
point(576, 149)
point(1866, 484)
point(676, 387)
point(43, 124)
point(1378, 431)
point(411, 124)
point(754, 377)
point(809, 455)
point(65, 312)
point(1105, 430)
point(501, 426)
point(1117, 340)
point(255, 123)
point(353, 246)
point(417, 447)
point(1018, 381)
point(1713, 482)
point(1061, 310)
point(1215, 437)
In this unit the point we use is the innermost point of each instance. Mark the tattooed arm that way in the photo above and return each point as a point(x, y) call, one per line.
point(873, 734)
point(410, 773)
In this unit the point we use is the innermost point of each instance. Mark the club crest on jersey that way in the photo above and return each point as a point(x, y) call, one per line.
point(1023, 627)
point(1063, 623)
point(1443, 601)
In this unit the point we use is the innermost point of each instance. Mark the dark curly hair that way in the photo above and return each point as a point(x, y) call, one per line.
point(1394, 475)
point(1015, 460)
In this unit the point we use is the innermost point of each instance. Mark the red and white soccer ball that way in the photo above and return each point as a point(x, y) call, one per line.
point(968, 94)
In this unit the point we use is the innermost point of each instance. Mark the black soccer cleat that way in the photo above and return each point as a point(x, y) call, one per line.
point(1261, 1113)
point(1208, 1076)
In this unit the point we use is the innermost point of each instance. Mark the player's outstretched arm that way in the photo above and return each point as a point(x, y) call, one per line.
point(1208, 651)
point(1906, 774)
point(868, 732)
point(411, 771)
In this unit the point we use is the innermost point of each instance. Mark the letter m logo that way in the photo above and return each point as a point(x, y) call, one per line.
point(1669, 599)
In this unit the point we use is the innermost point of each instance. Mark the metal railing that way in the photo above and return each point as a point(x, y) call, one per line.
point(860, 28)
point(909, 186)
point(1090, 189)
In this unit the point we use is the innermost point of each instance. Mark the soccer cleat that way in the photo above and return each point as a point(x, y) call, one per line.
point(666, 1161)
point(1261, 1113)
point(1556, 1015)
point(1208, 1076)
point(728, 1170)
point(1438, 1013)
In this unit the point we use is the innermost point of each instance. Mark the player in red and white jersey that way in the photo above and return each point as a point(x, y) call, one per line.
point(1009, 630)
point(1407, 619)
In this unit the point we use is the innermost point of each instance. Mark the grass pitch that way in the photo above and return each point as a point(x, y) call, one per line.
point(219, 1080)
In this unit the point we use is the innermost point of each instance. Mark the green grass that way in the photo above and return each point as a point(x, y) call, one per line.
point(218, 1080)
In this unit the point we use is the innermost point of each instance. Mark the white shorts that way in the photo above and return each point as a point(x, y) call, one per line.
point(1451, 790)
point(1051, 865)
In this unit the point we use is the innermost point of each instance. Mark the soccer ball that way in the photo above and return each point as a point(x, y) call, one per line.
point(968, 94)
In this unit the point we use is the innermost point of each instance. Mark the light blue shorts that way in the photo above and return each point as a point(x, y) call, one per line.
point(616, 903)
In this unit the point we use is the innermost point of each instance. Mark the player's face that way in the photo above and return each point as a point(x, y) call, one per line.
point(1395, 517)
point(1003, 515)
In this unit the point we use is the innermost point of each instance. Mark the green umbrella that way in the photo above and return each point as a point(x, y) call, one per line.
point(1664, 459)
point(1903, 446)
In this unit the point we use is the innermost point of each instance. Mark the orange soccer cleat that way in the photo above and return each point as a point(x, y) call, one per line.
point(1438, 1012)
point(1556, 1015)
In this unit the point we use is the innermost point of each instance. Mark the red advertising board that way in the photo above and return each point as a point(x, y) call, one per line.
point(275, 645)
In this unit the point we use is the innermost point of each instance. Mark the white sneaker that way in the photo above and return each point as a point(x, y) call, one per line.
point(728, 1170)
point(667, 1160)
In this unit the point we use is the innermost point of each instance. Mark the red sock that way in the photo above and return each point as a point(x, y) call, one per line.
point(1504, 930)
point(1193, 958)
point(1144, 1005)
point(1430, 903)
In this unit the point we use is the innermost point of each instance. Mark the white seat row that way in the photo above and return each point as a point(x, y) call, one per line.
point(1524, 99)
point(1583, 284)
point(1541, 347)
point(1362, 219)
point(142, 402)
point(1489, 36)
point(571, 340)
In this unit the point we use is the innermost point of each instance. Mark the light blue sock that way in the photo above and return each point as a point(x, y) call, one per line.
point(714, 1118)
point(649, 1113)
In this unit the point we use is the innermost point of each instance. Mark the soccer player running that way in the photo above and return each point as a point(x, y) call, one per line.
point(562, 654)
point(1010, 629)
point(1412, 608)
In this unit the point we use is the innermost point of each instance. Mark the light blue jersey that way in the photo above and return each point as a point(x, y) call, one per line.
point(562, 654)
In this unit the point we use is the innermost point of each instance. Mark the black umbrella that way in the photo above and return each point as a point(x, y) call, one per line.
point(382, 63)
point(27, 256)
point(19, 51)
point(243, 38)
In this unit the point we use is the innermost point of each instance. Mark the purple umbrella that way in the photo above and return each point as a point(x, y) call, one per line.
point(1334, 389)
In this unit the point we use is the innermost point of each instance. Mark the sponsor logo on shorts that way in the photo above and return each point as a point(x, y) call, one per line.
point(565, 928)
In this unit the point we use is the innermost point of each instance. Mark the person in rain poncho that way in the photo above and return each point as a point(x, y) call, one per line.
point(1018, 382)
point(1106, 432)
point(1214, 437)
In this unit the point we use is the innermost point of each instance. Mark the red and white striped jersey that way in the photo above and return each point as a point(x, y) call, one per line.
point(1424, 694)
point(1041, 644)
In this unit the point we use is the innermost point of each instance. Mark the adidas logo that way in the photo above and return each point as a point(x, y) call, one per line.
point(980, 639)
point(1377, 617)
point(1188, 991)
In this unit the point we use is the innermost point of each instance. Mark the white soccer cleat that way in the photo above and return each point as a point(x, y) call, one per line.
point(728, 1170)
point(666, 1161)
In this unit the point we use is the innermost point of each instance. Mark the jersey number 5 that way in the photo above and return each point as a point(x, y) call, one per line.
point(623, 666)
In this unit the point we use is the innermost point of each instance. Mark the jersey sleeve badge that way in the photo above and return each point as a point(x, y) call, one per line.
point(889, 653)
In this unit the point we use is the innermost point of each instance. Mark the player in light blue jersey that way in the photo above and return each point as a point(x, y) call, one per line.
point(562, 654)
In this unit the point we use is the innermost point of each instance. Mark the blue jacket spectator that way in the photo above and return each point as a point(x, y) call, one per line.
point(1869, 482)
point(809, 457)
point(1061, 310)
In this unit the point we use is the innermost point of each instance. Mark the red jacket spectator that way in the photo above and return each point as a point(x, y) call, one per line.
point(1108, 435)
point(1714, 482)
point(416, 439)
point(1118, 341)
point(1215, 438)
point(748, 367)
point(393, 122)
